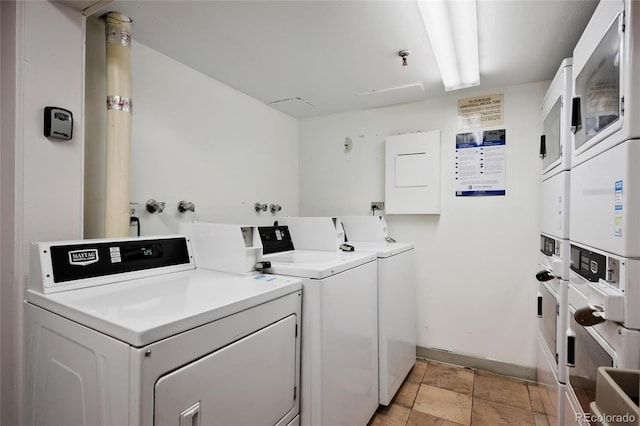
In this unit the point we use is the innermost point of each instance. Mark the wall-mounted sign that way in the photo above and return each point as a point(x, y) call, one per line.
point(481, 111)
point(480, 163)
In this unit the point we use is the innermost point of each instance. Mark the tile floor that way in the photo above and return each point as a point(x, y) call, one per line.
point(442, 394)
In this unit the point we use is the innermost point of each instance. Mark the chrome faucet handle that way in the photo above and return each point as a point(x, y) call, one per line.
point(260, 207)
point(154, 206)
point(275, 208)
point(186, 206)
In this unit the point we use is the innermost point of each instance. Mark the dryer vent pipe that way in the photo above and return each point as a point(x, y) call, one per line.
point(119, 109)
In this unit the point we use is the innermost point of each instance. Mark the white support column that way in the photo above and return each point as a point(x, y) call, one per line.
point(119, 109)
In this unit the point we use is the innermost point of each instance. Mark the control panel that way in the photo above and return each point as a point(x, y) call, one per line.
point(275, 239)
point(74, 264)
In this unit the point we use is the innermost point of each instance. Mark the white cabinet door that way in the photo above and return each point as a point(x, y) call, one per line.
point(249, 382)
point(412, 173)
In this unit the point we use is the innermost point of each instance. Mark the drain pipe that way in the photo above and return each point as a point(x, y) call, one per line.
point(119, 109)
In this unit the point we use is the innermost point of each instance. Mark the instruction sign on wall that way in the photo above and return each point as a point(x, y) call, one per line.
point(480, 163)
point(481, 111)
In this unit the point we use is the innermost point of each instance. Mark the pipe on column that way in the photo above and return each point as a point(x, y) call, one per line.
point(119, 110)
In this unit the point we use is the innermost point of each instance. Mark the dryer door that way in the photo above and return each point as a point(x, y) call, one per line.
point(549, 324)
point(552, 131)
point(249, 382)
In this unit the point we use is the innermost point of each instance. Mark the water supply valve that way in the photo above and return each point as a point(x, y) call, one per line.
point(186, 206)
point(154, 206)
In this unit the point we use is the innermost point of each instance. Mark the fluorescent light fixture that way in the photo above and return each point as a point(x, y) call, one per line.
point(452, 28)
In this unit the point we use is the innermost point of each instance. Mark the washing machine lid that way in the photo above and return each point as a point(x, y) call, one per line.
point(142, 311)
point(316, 264)
point(381, 248)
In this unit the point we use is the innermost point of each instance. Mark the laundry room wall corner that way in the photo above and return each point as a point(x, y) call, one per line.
point(46, 182)
point(474, 259)
point(198, 140)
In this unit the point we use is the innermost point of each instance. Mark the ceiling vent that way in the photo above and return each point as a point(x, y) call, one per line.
point(391, 96)
point(297, 107)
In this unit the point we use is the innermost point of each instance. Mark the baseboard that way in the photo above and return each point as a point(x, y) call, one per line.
point(493, 366)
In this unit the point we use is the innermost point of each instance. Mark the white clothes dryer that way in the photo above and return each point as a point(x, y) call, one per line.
point(397, 321)
point(129, 332)
point(555, 141)
point(606, 81)
point(339, 328)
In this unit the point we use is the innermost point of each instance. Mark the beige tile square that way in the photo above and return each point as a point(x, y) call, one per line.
point(492, 387)
point(489, 413)
point(541, 419)
point(457, 379)
point(417, 372)
point(535, 397)
point(443, 403)
point(406, 394)
point(549, 399)
point(416, 418)
point(392, 415)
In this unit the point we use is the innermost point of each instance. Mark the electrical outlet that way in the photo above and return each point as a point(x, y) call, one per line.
point(377, 205)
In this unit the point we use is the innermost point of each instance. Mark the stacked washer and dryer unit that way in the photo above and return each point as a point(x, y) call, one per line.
point(604, 286)
point(553, 259)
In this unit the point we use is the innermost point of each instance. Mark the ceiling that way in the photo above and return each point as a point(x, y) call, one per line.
point(317, 57)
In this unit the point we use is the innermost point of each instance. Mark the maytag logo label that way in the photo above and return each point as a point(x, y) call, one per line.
point(83, 257)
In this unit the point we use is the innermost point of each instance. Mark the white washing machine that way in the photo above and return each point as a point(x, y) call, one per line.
point(129, 332)
point(397, 321)
point(598, 335)
point(339, 328)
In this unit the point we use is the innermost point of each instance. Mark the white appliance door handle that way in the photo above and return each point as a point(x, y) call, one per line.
point(191, 416)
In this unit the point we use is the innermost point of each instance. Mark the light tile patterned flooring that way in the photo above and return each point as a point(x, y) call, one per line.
point(440, 394)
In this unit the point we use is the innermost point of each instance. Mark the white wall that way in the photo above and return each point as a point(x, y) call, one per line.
point(476, 291)
point(45, 198)
point(198, 140)
point(7, 144)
